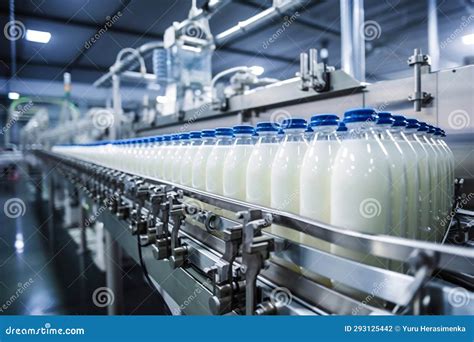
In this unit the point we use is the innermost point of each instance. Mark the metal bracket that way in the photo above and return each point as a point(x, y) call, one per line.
point(255, 250)
point(313, 75)
point(419, 97)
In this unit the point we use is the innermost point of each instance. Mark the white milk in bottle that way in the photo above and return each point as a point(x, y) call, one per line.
point(156, 146)
point(168, 159)
point(215, 161)
point(398, 175)
point(200, 161)
point(178, 157)
point(260, 163)
point(413, 219)
point(432, 233)
point(285, 176)
point(360, 183)
point(186, 171)
point(315, 182)
point(236, 161)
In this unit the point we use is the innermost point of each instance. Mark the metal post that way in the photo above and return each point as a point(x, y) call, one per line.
point(117, 108)
point(113, 266)
point(433, 40)
point(352, 38)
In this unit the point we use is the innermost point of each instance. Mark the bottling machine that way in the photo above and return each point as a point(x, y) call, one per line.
point(207, 254)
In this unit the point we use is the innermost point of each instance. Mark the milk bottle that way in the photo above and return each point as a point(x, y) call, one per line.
point(260, 162)
point(432, 233)
point(413, 220)
point(398, 175)
point(424, 197)
point(168, 159)
point(159, 163)
point(155, 147)
point(215, 161)
point(443, 175)
point(142, 156)
point(186, 172)
point(360, 182)
point(309, 134)
point(440, 135)
point(236, 161)
point(315, 182)
point(200, 160)
point(286, 167)
point(316, 170)
point(178, 157)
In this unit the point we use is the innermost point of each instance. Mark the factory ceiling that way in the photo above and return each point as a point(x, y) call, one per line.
point(398, 26)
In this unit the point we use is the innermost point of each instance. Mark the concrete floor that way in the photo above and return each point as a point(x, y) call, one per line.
point(43, 277)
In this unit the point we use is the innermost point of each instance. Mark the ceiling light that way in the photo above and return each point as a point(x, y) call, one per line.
point(38, 36)
point(468, 39)
point(13, 95)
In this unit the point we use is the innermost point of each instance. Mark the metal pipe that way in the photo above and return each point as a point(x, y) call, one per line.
point(352, 40)
point(256, 21)
point(128, 62)
point(417, 88)
point(433, 39)
point(113, 260)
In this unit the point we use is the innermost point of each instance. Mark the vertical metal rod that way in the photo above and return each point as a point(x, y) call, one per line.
point(433, 40)
point(352, 38)
point(347, 61)
point(358, 39)
point(417, 90)
point(113, 266)
point(117, 108)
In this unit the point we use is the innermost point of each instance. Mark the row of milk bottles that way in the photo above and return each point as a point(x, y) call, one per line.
point(375, 173)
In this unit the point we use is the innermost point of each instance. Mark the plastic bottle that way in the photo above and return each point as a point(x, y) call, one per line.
point(236, 161)
point(178, 157)
point(215, 161)
point(361, 183)
point(186, 172)
point(168, 158)
point(208, 137)
point(260, 164)
point(413, 219)
point(398, 175)
point(286, 167)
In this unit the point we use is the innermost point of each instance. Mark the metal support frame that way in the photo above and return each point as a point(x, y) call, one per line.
point(113, 262)
point(403, 289)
